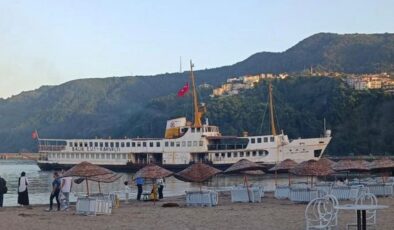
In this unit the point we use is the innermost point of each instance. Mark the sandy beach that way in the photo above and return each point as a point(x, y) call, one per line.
point(270, 214)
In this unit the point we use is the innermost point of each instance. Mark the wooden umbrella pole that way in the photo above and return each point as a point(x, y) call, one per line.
point(99, 187)
point(247, 187)
point(154, 192)
point(288, 174)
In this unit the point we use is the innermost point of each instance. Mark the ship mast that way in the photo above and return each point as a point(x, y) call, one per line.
point(273, 129)
point(198, 111)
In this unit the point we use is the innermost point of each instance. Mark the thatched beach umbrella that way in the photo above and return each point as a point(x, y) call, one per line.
point(384, 165)
point(312, 168)
point(327, 162)
point(244, 165)
point(351, 165)
point(153, 172)
point(106, 178)
point(198, 172)
point(284, 167)
point(86, 170)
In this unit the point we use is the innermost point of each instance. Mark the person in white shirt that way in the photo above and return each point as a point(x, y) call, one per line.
point(65, 188)
point(23, 195)
point(127, 191)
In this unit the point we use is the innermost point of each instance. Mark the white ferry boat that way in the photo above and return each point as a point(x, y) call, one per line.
point(184, 143)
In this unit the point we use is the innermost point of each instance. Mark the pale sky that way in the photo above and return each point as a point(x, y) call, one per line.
point(52, 42)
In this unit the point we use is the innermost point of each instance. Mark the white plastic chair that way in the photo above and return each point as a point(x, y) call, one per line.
point(368, 199)
point(321, 214)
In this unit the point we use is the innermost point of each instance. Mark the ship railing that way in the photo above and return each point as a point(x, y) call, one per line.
point(51, 148)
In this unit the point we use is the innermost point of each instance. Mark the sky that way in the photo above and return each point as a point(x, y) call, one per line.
point(52, 42)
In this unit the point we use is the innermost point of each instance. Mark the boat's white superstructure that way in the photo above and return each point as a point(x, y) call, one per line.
point(184, 143)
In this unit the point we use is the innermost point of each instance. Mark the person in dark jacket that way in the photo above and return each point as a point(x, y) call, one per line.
point(55, 192)
point(3, 189)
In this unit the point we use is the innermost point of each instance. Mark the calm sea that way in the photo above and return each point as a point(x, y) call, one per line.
point(40, 183)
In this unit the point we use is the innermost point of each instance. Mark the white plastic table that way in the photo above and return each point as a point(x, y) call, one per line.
point(361, 212)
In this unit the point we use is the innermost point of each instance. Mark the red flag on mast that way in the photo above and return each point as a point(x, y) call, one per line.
point(184, 90)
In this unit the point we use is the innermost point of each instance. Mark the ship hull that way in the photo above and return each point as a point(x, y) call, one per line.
point(129, 168)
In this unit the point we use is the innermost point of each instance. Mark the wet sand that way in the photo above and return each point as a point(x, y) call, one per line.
point(270, 214)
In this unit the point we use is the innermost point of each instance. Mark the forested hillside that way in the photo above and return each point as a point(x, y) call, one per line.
point(362, 122)
point(105, 107)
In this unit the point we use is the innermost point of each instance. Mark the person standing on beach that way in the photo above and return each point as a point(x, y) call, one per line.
point(23, 194)
point(55, 192)
point(3, 190)
point(139, 182)
point(65, 186)
point(160, 183)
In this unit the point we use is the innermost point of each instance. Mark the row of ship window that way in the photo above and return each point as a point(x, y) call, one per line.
point(88, 155)
point(260, 140)
point(259, 153)
point(136, 144)
point(204, 129)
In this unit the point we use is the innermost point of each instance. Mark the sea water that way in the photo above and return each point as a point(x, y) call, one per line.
point(40, 187)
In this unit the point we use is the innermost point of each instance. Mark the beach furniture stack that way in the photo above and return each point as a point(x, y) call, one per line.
point(282, 192)
point(380, 189)
point(247, 194)
point(202, 198)
point(94, 205)
point(303, 195)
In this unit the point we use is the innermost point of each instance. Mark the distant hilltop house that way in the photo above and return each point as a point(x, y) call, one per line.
point(236, 84)
point(371, 81)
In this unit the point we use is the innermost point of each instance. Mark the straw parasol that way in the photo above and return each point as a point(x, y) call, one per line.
point(384, 165)
point(244, 165)
point(351, 165)
point(284, 167)
point(87, 170)
point(327, 162)
point(106, 178)
point(198, 172)
point(312, 168)
point(153, 171)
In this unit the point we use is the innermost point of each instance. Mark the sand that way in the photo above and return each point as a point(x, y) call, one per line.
point(270, 214)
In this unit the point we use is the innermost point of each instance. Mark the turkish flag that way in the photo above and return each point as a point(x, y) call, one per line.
point(34, 134)
point(184, 90)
